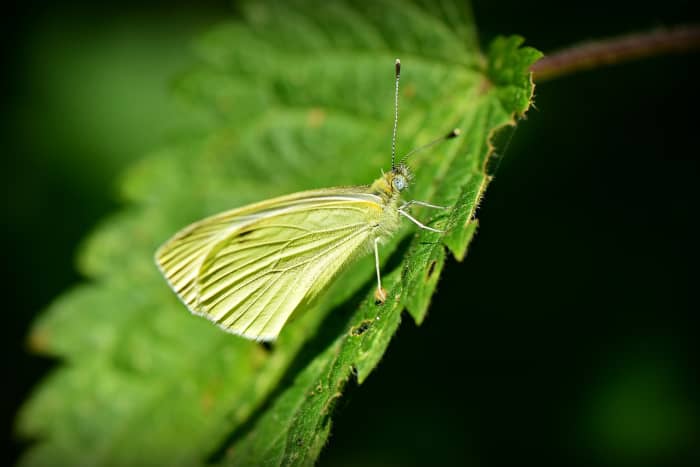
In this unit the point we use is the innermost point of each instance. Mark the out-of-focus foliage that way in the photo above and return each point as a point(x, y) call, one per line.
point(291, 96)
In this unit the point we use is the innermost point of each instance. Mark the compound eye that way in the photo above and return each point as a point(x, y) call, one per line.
point(399, 183)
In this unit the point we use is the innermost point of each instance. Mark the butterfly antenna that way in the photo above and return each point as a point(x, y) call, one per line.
point(396, 113)
point(452, 134)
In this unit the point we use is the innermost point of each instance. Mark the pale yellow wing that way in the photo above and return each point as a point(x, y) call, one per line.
point(250, 268)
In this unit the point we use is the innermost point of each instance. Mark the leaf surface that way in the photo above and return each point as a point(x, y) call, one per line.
point(291, 96)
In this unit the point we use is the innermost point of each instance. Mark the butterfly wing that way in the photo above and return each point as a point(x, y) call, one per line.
point(249, 269)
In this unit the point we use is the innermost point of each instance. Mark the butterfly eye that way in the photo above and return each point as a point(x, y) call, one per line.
point(399, 183)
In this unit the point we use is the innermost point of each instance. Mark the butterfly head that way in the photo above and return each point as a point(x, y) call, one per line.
point(392, 183)
point(399, 178)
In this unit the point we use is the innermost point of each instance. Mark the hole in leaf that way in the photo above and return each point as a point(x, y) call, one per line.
point(361, 328)
point(431, 270)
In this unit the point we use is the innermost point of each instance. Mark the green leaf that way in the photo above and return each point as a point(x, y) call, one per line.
point(292, 96)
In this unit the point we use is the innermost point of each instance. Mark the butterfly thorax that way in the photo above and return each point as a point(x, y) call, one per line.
point(389, 187)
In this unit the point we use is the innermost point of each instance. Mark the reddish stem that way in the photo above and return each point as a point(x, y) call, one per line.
point(598, 53)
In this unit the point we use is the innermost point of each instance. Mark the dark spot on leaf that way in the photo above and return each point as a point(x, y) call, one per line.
point(315, 117)
point(484, 86)
point(266, 345)
point(245, 233)
point(361, 328)
point(299, 442)
point(431, 269)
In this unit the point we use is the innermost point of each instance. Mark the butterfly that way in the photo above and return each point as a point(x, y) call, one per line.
point(249, 269)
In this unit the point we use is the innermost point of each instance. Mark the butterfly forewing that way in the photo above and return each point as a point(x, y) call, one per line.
point(250, 268)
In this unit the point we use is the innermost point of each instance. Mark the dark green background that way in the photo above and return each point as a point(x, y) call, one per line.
point(568, 333)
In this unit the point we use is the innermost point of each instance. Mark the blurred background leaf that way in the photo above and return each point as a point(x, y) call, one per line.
point(600, 298)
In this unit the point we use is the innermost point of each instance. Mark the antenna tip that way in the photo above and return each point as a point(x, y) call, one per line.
point(454, 133)
point(398, 66)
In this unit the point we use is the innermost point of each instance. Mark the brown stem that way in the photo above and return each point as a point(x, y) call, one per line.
point(598, 53)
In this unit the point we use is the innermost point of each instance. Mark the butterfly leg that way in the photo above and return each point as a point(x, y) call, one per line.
point(420, 203)
point(418, 223)
point(381, 293)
